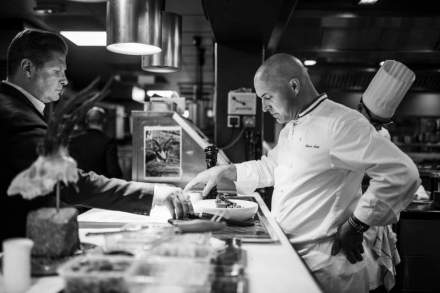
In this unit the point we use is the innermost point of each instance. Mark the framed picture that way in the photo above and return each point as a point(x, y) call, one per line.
point(162, 152)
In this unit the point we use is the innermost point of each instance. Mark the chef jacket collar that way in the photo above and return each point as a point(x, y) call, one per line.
point(315, 104)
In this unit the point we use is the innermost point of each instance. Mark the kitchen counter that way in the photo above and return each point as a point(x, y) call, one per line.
point(418, 243)
point(271, 266)
point(420, 210)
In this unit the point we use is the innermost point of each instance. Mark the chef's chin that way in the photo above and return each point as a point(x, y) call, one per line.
point(279, 119)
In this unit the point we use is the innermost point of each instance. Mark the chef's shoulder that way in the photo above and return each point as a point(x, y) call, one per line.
point(342, 118)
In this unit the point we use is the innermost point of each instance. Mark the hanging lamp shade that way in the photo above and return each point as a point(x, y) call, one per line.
point(134, 26)
point(170, 59)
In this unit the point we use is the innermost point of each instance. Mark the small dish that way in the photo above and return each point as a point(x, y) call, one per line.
point(245, 211)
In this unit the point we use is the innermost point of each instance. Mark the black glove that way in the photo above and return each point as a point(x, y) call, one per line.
point(349, 239)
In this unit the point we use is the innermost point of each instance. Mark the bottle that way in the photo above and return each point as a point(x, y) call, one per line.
point(232, 259)
point(211, 161)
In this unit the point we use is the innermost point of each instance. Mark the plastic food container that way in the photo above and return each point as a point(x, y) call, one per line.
point(139, 242)
point(193, 245)
point(167, 274)
point(103, 274)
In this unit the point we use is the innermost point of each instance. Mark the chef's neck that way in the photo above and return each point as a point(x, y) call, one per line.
point(308, 95)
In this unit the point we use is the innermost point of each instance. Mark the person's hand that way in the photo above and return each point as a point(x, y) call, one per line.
point(173, 198)
point(211, 177)
point(349, 241)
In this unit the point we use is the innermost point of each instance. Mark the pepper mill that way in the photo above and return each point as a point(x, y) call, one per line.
point(211, 161)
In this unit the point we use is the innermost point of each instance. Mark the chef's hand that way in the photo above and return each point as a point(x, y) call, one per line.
point(211, 177)
point(173, 198)
point(349, 241)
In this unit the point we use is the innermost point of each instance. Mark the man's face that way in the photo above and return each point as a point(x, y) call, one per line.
point(276, 99)
point(49, 79)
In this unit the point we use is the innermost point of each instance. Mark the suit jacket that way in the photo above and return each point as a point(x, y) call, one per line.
point(94, 151)
point(22, 128)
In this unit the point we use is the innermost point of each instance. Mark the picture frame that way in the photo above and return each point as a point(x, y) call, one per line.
point(162, 153)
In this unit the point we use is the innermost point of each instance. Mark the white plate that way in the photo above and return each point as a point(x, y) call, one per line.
point(245, 212)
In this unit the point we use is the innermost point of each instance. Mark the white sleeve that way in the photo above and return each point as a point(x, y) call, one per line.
point(256, 174)
point(394, 177)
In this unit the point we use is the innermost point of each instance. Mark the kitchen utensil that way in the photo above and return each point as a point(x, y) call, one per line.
point(126, 228)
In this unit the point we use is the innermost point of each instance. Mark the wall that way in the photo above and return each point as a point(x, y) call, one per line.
point(235, 68)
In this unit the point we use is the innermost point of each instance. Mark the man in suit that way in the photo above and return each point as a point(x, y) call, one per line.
point(92, 149)
point(36, 64)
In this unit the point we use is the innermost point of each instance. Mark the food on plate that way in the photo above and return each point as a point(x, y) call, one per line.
point(55, 234)
point(222, 202)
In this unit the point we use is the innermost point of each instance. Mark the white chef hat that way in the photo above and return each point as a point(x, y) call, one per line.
point(387, 89)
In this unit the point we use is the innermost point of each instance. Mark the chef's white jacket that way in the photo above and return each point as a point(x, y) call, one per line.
point(317, 168)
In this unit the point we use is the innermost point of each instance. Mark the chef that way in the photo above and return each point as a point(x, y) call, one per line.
point(316, 169)
point(378, 104)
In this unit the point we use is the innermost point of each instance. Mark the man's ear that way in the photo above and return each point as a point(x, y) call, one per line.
point(27, 67)
point(295, 85)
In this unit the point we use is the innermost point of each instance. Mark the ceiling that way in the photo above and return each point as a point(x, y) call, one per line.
point(85, 63)
point(347, 40)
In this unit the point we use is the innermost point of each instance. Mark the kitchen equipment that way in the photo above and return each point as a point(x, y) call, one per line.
point(436, 200)
point(197, 225)
point(169, 274)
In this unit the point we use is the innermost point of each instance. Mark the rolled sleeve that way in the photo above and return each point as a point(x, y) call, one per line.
point(247, 178)
point(256, 174)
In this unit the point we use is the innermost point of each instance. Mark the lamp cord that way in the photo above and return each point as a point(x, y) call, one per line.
point(234, 142)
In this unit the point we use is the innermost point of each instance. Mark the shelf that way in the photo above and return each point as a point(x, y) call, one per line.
point(433, 145)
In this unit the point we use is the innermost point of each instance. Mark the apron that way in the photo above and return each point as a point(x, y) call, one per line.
point(335, 273)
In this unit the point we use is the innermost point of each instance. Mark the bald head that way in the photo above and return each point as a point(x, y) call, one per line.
point(284, 86)
point(280, 68)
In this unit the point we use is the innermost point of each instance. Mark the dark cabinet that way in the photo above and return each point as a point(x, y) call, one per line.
point(419, 247)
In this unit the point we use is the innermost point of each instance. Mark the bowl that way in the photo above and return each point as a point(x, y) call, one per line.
point(246, 210)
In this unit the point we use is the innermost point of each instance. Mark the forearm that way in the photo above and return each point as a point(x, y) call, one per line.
point(100, 192)
point(394, 177)
point(230, 172)
point(254, 174)
point(388, 194)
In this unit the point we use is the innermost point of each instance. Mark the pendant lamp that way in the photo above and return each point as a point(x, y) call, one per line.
point(169, 60)
point(134, 26)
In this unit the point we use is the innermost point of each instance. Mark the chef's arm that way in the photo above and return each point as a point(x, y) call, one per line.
point(211, 177)
point(394, 177)
point(247, 176)
point(256, 174)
